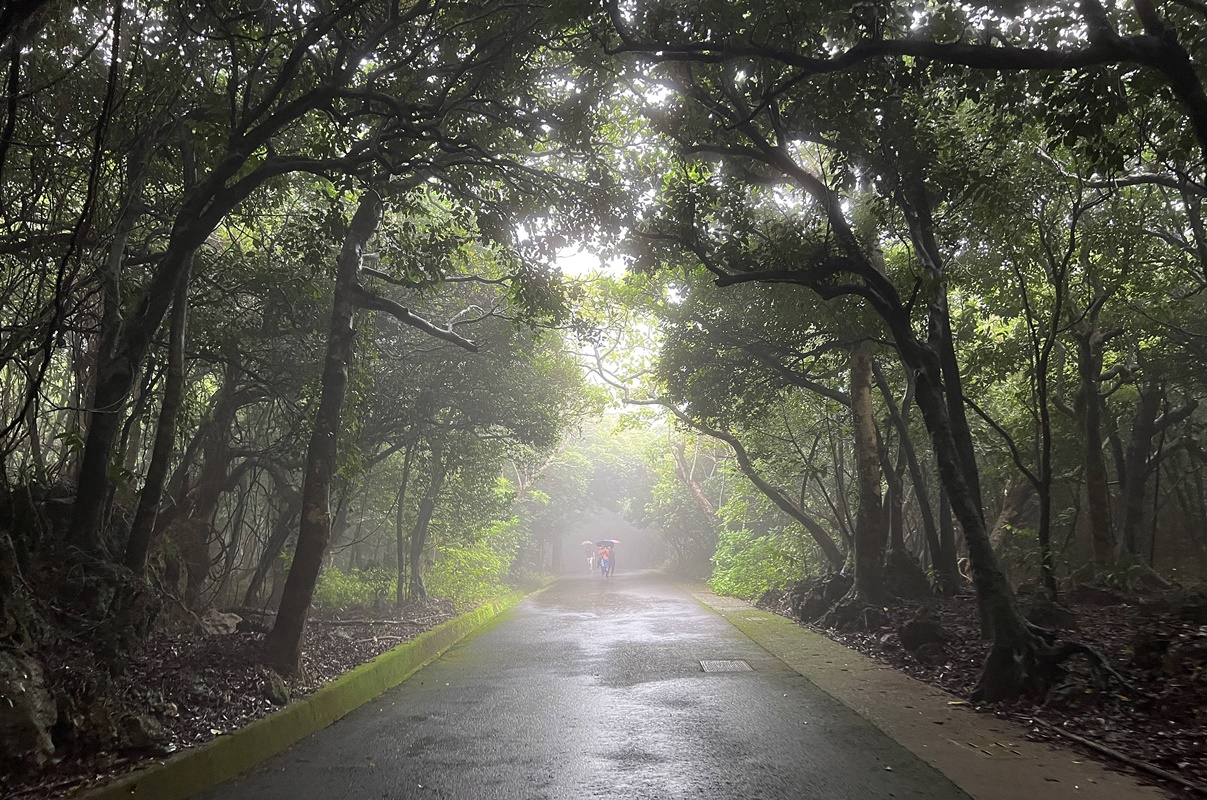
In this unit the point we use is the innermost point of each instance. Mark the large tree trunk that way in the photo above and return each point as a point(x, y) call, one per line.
point(943, 341)
point(416, 590)
point(92, 480)
point(1089, 404)
point(943, 560)
point(143, 527)
point(1012, 661)
point(117, 369)
point(205, 204)
point(940, 395)
point(869, 528)
point(1136, 467)
point(284, 642)
point(1012, 666)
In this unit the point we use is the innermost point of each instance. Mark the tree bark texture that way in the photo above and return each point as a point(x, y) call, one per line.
point(1136, 467)
point(869, 521)
point(943, 340)
point(1043, 486)
point(400, 537)
point(143, 527)
point(205, 204)
point(1098, 495)
point(423, 521)
point(1018, 492)
point(416, 590)
point(1013, 660)
point(943, 561)
point(116, 371)
point(685, 475)
point(284, 642)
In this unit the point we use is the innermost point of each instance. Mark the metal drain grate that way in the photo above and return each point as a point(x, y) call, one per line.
point(726, 666)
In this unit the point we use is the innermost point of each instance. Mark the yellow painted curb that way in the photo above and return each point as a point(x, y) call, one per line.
point(225, 757)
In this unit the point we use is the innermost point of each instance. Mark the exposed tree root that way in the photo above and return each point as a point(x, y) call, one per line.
point(248, 611)
point(1031, 670)
point(1011, 672)
point(811, 599)
point(851, 612)
point(1098, 662)
point(1151, 769)
point(341, 622)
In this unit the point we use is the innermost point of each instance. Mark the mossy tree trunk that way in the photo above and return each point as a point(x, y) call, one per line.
point(869, 521)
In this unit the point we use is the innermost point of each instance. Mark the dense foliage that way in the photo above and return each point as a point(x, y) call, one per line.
point(913, 291)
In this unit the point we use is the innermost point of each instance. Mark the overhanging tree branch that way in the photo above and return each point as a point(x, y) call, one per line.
point(375, 302)
point(442, 279)
point(1007, 438)
point(1157, 48)
point(820, 535)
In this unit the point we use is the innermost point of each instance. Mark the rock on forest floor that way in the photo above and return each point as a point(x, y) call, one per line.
point(192, 687)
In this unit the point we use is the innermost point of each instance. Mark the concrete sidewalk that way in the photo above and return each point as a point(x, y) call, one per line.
point(599, 689)
point(987, 757)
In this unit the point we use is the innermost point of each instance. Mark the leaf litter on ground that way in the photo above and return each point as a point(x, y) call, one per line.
point(1166, 726)
point(198, 686)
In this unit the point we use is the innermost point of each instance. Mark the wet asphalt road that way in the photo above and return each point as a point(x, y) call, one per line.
point(594, 689)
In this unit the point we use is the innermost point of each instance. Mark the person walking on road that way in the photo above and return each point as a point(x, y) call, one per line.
point(605, 561)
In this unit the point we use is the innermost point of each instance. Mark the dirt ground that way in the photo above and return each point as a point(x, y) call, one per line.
point(1154, 710)
point(180, 690)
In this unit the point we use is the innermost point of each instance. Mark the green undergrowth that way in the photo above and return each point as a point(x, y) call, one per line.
point(358, 588)
point(747, 564)
point(466, 573)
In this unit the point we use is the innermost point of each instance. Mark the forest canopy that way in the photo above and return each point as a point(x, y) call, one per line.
point(906, 292)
